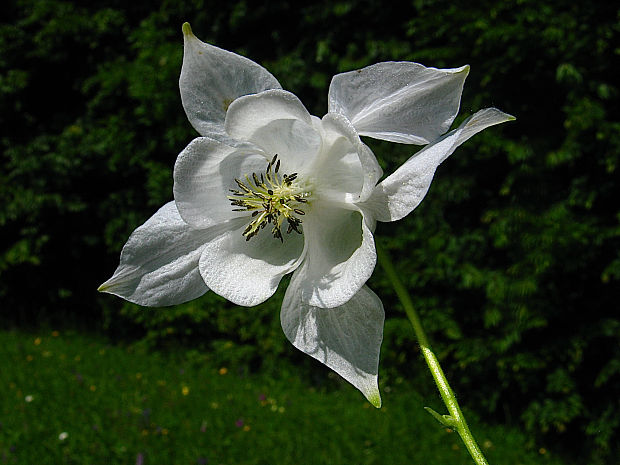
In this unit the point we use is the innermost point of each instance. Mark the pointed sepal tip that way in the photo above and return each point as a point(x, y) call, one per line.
point(187, 29)
point(375, 399)
point(105, 287)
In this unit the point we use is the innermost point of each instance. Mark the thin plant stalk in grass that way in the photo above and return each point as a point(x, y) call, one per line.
point(455, 420)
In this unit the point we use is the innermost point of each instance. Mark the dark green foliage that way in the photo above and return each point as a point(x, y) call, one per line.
point(513, 259)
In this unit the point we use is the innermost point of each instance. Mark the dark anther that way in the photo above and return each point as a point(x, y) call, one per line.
point(243, 186)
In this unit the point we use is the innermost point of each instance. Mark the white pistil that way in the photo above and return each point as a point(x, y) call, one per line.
point(273, 199)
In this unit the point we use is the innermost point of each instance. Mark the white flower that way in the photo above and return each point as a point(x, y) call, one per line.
point(269, 189)
point(62, 436)
point(29, 398)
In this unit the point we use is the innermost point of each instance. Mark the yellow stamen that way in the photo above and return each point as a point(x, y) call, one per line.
point(273, 199)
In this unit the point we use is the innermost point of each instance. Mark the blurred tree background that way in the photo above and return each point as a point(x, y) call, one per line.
point(513, 259)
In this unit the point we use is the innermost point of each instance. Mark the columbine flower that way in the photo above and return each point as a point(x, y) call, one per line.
point(270, 189)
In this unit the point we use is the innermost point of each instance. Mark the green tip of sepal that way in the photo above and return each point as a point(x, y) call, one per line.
point(107, 286)
point(187, 29)
point(511, 118)
point(375, 399)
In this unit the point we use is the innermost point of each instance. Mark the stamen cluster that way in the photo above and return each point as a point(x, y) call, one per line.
point(272, 198)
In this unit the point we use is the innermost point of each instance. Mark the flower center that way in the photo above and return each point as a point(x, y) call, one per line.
point(272, 198)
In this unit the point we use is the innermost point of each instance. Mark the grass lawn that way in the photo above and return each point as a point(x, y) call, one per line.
point(72, 399)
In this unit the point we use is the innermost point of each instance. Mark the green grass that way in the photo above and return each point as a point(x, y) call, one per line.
point(120, 406)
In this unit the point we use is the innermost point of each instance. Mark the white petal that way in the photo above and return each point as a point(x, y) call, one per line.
point(347, 338)
point(341, 141)
point(399, 101)
point(398, 194)
point(339, 258)
point(212, 78)
point(337, 174)
point(159, 262)
point(248, 272)
point(277, 122)
point(296, 143)
point(249, 113)
point(203, 174)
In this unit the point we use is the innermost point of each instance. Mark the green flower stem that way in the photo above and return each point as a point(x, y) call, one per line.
point(456, 419)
